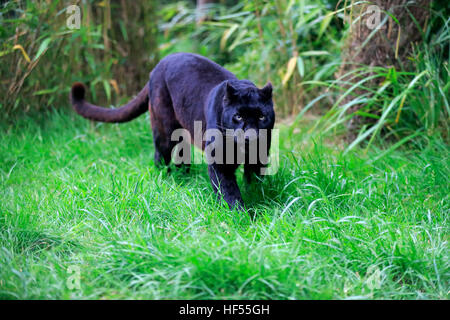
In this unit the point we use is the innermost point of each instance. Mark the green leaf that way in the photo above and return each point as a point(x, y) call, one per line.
point(45, 91)
point(314, 53)
point(324, 24)
point(301, 67)
point(392, 75)
point(5, 52)
point(107, 87)
point(226, 35)
point(42, 48)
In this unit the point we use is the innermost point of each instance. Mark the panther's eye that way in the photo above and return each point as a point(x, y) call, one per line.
point(262, 118)
point(237, 117)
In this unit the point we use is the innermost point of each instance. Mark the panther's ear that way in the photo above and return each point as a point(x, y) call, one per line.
point(230, 92)
point(266, 92)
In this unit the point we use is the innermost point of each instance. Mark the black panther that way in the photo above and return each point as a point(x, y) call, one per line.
point(184, 88)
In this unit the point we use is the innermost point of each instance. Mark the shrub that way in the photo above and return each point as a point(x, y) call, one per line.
point(40, 57)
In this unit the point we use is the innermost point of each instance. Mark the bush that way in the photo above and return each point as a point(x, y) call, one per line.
point(40, 57)
point(286, 42)
point(399, 101)
point(297, 45)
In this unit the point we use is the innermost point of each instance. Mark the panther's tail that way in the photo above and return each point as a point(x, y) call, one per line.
point(128, 112)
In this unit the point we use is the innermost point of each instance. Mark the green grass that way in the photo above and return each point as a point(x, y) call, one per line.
point(327, 225)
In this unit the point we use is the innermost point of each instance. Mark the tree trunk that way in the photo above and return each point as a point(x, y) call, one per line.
point(376, 39)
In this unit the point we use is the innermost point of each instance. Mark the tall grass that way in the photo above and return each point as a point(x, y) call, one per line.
point(406, 104)
point(40, 56)
point(327, 225)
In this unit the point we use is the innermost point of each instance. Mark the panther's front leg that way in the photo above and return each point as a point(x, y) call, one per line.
point(253, 169)
point(223, 179)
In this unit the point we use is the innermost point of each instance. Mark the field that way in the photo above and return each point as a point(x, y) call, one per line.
point(85, 199)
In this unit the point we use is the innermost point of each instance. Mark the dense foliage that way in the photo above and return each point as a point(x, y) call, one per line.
point(40, 56)
point(298, 44)
point(295, 44)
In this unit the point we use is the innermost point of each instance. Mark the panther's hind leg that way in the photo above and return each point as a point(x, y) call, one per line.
point(163, 123)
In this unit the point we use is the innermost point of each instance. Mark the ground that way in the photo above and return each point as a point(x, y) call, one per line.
point(84, 201)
